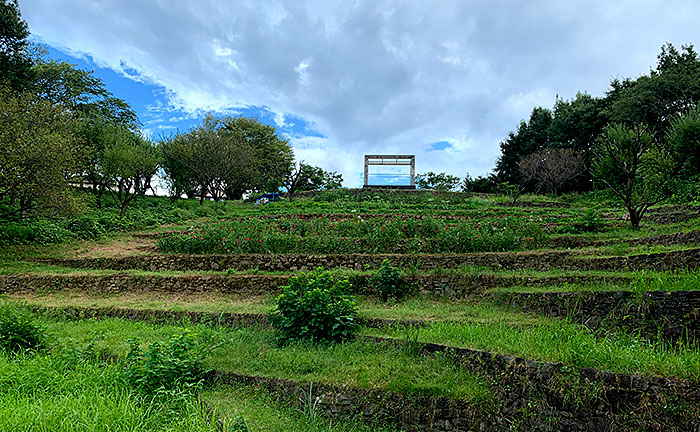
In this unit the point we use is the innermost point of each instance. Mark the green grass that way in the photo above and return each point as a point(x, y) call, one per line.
point(571, 344)
point(255, 352)
point(64, 392)
point(262, 412)
point(434, 309)
point(638, 282)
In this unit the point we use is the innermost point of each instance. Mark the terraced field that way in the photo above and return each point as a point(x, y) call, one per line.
point(514, 318)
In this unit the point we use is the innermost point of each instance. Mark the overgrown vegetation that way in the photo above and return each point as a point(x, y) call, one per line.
point(19, 333)
point(316, 307)
point(356, 235)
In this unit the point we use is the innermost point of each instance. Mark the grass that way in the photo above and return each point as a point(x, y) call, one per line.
point(62, 391)
point(262, 412)
point(638, 282)
point(255, 352)
point(435, 309)
point(558, 341)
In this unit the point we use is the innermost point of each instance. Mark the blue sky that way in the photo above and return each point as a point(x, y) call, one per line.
point(150, 101)
point(445, 80)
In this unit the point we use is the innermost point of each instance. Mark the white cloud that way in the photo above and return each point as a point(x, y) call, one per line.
point(373, 76)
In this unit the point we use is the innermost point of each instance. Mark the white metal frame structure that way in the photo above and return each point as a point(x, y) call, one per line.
point(390, 160)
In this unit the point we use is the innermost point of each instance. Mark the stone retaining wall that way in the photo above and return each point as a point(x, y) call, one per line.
point(534, 260)
point(451, 286)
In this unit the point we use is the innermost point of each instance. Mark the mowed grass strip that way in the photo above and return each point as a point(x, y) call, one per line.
point(255, 352)
point(413, 309)
point(560, 341)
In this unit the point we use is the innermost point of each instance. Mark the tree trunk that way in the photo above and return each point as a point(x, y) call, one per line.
point(634, 217)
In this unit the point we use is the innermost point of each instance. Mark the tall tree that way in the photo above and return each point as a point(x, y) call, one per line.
point(39, 151)
point(206, 159)
point(15, 60)
point(636, 168)
point(127, 164)
point(671, 89)
point(267, 151)
point(529, 138)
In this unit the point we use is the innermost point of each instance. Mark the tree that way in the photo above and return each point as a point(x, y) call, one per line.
point(15, 60)
point(128, 164)
point(440, 181)
point(39, 151)
point(636, 168)
point(671, 89)
point(480, 184)
point(552, 168)
point(683, 138)
point(314, 178)
point(204, 160)
point(529, 138)
point(290, 177)
point(267, 151)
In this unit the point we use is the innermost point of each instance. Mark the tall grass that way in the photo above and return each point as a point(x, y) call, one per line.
point(255, 352)
point(65, 392)
point(571, 344)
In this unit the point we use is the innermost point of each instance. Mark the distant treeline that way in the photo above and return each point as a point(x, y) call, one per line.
point(61, 126)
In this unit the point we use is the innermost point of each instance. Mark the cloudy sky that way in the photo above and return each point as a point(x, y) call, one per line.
point(445, 80)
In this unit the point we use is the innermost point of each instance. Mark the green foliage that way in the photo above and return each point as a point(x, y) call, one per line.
point(239, 424)
point(19, 332)
point(38, 150)
point(588, 222)
point(69, 391)
point(634, 166)
point(15, 61)
point(387, 283)
point(439, 181)
point(683, 138)
point(314, 178)
point(165, 365)
point(315, 307)
point(224, 157)
point(403, 234)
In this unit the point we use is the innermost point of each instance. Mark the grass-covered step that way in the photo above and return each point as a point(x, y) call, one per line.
point(514, 389)
point(669, 315)
point(224, 310)
point(675, 238)
point(460, 283)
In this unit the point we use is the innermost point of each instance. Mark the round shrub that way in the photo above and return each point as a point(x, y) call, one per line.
point(387, 283)
point(315, 307)
point(19, 332)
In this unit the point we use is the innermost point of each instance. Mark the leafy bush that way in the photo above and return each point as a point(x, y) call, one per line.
point(316, 307)
point(165, 365)
point(86, 227)
point(588, 222)
point(387, 283)
point(19, 332)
